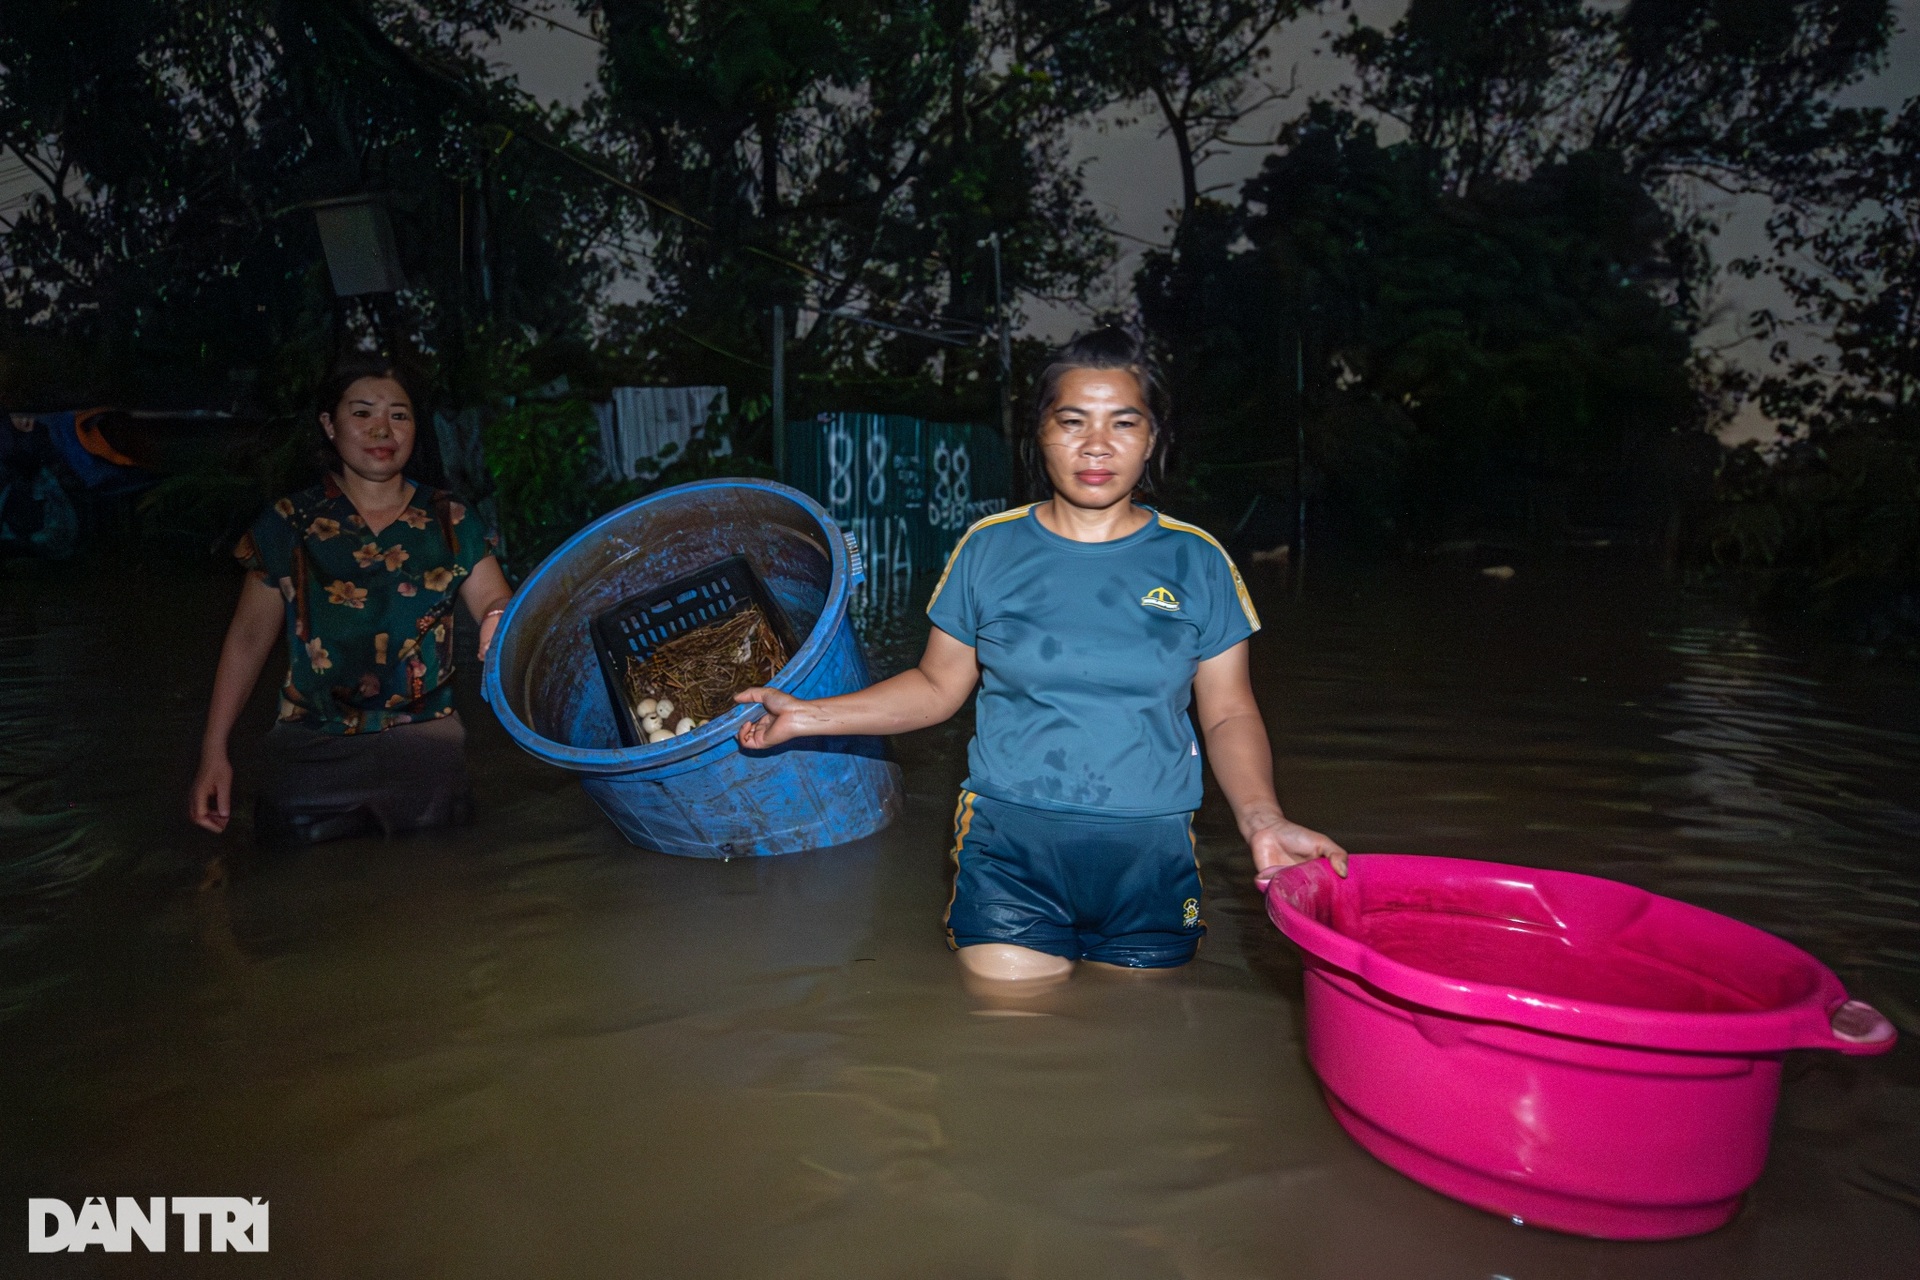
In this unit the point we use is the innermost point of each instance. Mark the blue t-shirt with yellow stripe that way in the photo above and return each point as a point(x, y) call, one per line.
point(1087, 656)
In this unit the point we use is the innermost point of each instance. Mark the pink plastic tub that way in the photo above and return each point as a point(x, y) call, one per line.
point(1568, 1051)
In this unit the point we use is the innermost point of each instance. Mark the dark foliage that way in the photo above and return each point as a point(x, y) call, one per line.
point(1465, 356)
point(1827, 525)
point(1484, 328)
point(177, 144)
point(1490, 322)
point(844, 156)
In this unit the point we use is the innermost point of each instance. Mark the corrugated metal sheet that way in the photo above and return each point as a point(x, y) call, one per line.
point(907, 489)
point(639, 424)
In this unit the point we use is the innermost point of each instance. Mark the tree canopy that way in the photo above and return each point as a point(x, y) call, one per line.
point(849, 157)
point(1494, 315)
point(1472, 279)
point(177, 146)
point(1827, 524)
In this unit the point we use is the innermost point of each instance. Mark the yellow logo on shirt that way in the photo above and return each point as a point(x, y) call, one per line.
point(1190, 913)
point(1160, 598)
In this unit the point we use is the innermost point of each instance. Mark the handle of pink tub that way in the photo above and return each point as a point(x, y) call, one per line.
point(1857, 1027)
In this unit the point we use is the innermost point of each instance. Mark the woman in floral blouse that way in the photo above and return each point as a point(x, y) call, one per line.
point(360, 572)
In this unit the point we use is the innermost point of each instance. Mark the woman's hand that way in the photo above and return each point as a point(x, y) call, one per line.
point(257, 623)
point(1242, 761)
point(1279, 844)
point(787, 718)
point(487, 595)
point(914, 699)
point(489, 625)
point(209, 803)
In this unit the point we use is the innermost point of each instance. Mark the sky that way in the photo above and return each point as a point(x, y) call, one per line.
point(1134, 181)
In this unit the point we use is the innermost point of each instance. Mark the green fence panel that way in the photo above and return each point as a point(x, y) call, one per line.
point(907, 489)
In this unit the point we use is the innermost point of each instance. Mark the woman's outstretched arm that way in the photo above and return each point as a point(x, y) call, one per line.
point(257, 623)
point(1242, 761)
point(925, 695)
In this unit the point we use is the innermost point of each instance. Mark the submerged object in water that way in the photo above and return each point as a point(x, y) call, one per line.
point(1568, 1051)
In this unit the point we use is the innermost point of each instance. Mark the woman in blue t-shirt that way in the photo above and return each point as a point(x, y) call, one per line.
point(1090, 624)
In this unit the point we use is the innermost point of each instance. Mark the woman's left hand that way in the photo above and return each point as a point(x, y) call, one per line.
point(1280, 844)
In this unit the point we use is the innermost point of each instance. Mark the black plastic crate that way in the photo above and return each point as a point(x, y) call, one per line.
point(638, 625)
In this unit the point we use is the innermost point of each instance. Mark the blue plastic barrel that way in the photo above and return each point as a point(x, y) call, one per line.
point(698, 795)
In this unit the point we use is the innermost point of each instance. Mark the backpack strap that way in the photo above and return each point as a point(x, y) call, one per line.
point(443, 512)
point(302, 619)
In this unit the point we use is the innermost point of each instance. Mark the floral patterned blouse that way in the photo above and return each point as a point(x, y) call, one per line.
point(369, 617)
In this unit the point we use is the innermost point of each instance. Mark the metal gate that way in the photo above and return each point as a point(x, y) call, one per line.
point(906, 489)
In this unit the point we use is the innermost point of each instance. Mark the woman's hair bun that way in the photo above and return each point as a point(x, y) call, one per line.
point(1108, 347)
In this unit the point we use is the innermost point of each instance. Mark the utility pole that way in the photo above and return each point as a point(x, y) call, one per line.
point(780, 392)
point(1299, 463)
point(1006, 346)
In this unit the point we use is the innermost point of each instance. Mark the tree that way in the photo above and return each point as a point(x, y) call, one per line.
point(846, 157)
point(1464, 352)
point(1828, 526)
point(1480, 85)
point(176, 146)
point(1198, 61)
point(1718, 90)
point(1503, 302)
point(1848, 252)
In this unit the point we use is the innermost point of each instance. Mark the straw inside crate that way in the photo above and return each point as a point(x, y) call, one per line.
point(702, 670)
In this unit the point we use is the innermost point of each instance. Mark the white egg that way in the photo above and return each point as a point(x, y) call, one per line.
point(663, 708)
point(646, 707)
point(658, 735)
point(685, 725)
point(650, 722)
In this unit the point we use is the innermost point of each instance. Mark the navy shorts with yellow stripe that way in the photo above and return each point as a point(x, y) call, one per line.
point(1122, 891)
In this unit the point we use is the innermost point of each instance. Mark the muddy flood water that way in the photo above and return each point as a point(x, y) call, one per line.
point(526, 1049)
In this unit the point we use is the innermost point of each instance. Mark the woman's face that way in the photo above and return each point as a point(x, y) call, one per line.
point(1096, 438)
point(372, 427)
